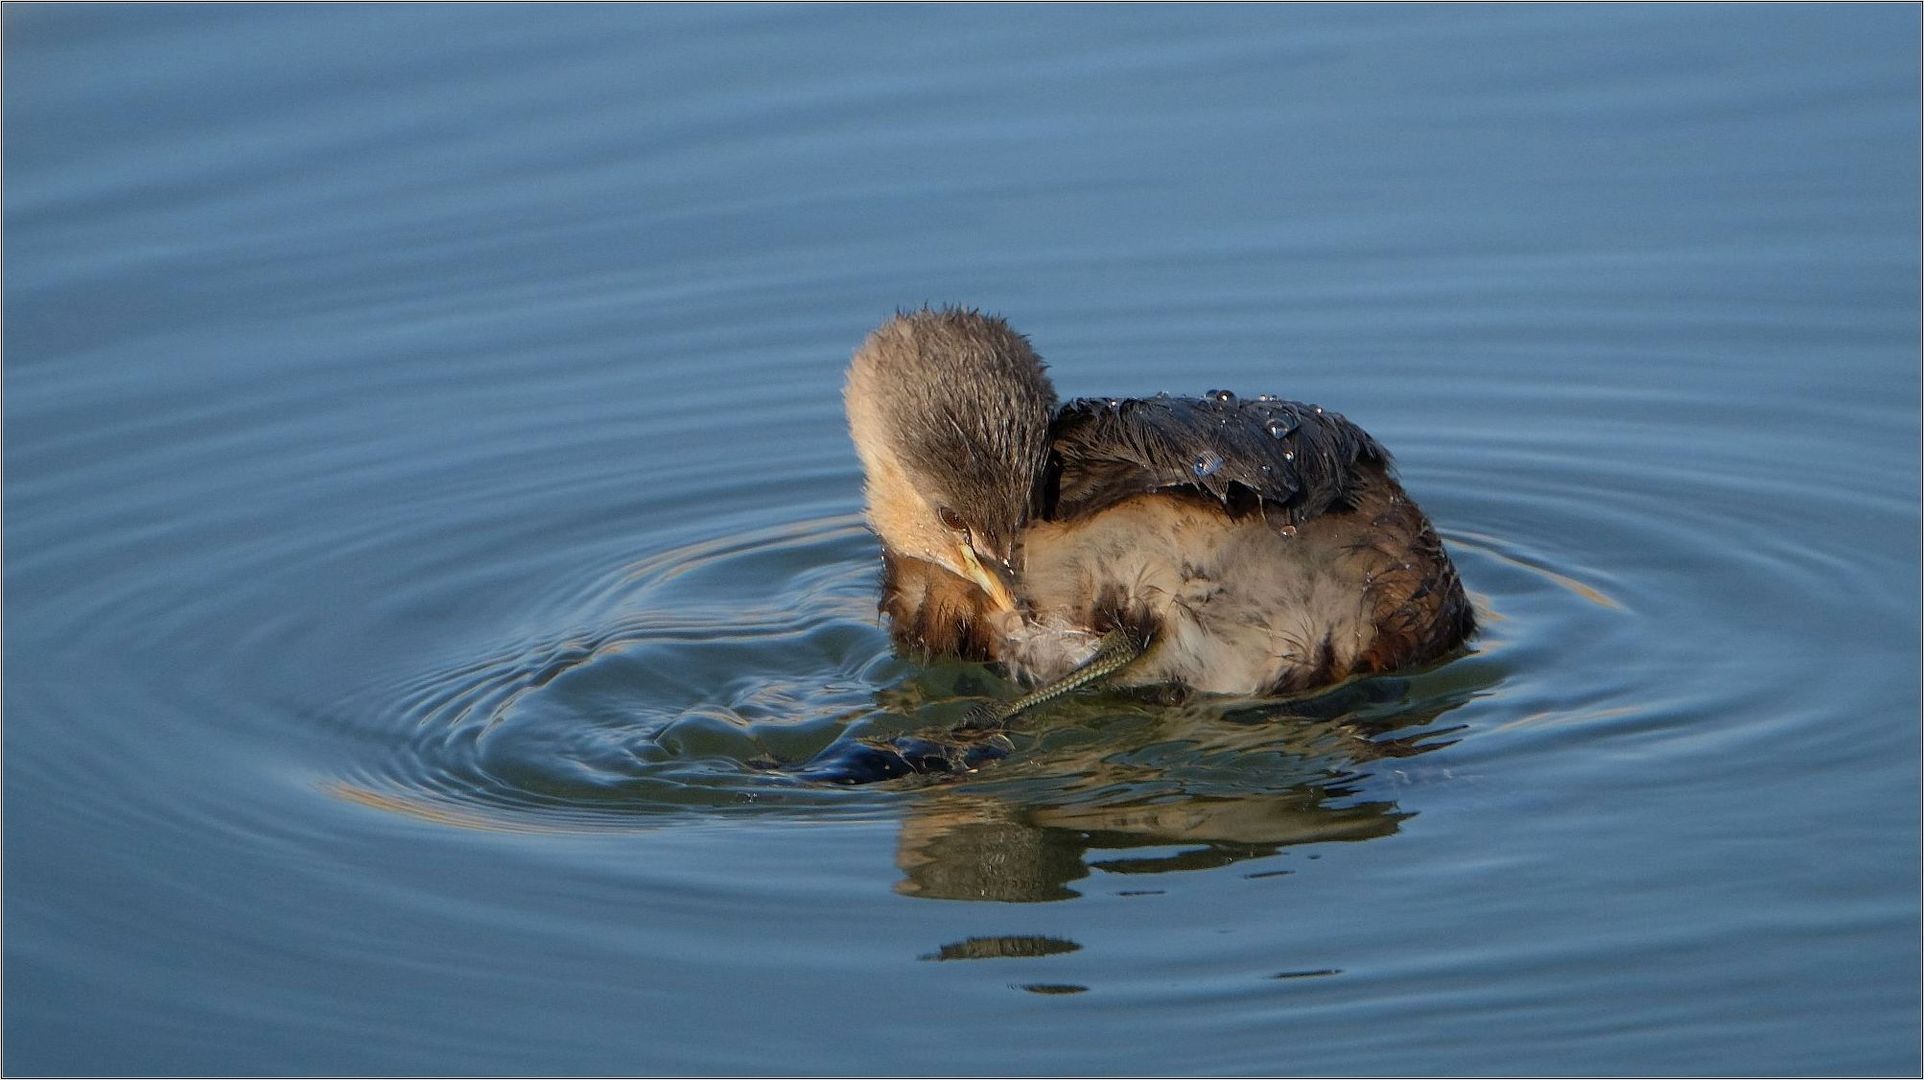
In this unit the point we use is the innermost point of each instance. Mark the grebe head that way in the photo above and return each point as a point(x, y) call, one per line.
point(950, 413)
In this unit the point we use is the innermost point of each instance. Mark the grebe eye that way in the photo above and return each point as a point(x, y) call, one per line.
point(952, 520)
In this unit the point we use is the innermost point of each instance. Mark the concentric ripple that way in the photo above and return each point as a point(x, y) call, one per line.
point(695, 680)
point(654, 700)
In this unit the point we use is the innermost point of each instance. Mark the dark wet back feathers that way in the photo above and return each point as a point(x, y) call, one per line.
point(1291, 460)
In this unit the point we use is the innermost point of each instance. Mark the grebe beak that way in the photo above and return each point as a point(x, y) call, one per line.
point(992, 576)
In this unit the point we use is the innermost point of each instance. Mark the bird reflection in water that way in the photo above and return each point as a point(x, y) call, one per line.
point(1221, 785)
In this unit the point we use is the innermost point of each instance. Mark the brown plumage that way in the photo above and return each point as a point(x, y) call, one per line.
point(1252, 545)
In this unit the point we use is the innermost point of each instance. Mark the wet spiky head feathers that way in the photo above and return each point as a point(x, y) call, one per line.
point(950, 410)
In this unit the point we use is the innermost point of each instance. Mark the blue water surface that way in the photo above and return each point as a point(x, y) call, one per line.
point(428, 505)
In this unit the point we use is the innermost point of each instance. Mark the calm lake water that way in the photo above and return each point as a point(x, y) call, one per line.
point(427, 496)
